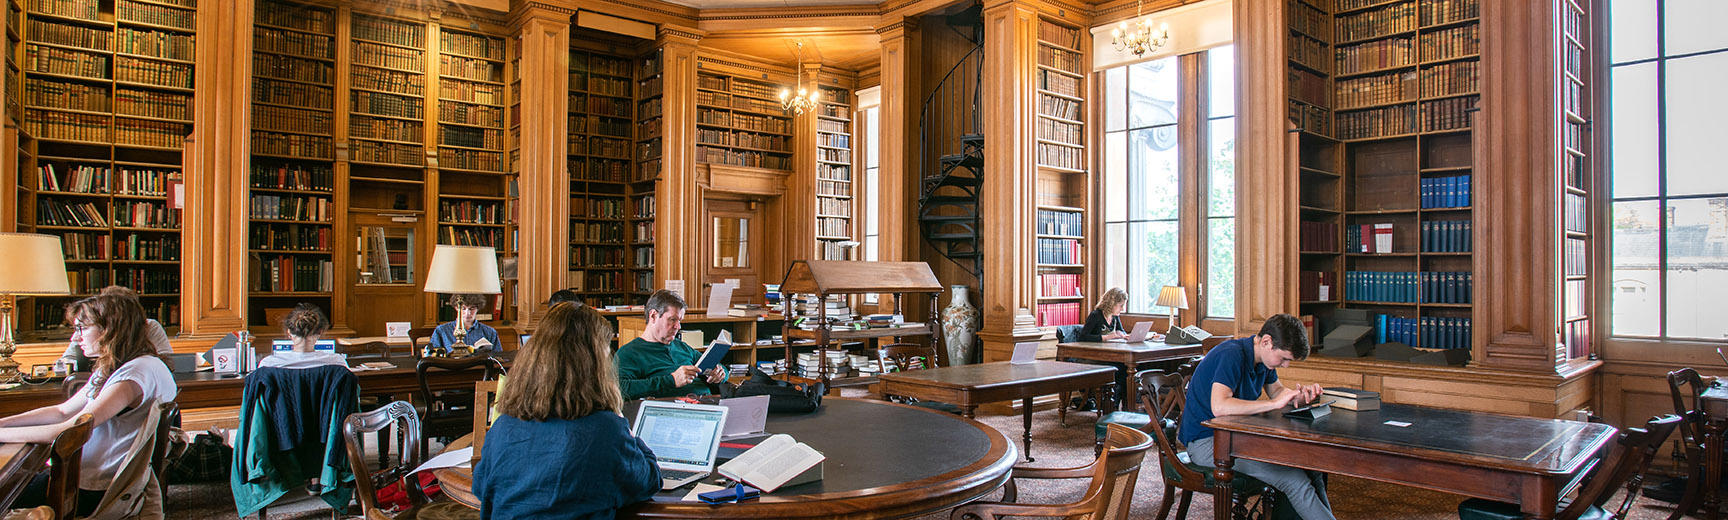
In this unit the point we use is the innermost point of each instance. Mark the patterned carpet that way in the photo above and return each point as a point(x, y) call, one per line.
point(1053, 445)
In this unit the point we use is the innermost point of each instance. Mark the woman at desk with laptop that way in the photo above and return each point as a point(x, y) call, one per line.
point(304, 326)
point(1104, 323)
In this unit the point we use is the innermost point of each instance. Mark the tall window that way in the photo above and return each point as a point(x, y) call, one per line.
point(869, 118)
point(1670, 199)
point(1169, 166)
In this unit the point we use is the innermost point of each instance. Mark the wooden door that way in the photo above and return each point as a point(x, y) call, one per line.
point(732, 241)
point(387, 273)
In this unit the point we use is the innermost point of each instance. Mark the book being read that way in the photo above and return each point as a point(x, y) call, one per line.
point(773, 463)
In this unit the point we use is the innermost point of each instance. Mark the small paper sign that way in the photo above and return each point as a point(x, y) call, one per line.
point(397, 329)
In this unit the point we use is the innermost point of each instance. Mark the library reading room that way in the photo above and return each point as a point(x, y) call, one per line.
point(863, 259)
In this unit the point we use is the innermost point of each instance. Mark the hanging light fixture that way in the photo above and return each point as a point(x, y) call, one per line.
point(1139, 38)
point(805, 101)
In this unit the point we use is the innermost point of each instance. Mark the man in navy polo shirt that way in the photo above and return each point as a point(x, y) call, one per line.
point(1230, 381)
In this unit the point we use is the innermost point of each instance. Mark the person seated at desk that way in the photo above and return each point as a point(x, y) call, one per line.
point(1104, 323)
point(659, 363)
point(563, 295)
point(467, 308)
point(560, 448)
point(303, 326)
point(152, 329)
point(129, 381)
point(1229, 381)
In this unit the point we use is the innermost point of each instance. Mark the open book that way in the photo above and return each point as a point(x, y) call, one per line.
point(773, 463)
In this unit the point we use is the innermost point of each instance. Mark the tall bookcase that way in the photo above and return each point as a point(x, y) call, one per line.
point(740, 122)
point(473, 184)
point(1577, 103)
point(292, 180)
point(650, 92)
point(601, 133)
point(835, 205)
point(1386, 162)
point(1060, 234)
point(105, 90)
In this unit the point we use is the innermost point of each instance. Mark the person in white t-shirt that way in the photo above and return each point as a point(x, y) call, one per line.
point(128, 383)
point(152, 329)
point(304, 326)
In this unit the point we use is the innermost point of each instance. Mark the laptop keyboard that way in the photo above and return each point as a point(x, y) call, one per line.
point(672, 474)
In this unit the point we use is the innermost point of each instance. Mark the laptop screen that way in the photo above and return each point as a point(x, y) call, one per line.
point(524, 338)
point(283, 345)
point(680, 434)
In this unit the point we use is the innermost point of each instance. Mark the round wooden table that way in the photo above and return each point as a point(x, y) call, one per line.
point(885, 460)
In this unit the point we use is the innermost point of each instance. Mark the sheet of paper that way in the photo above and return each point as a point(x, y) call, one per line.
point(700, 489)
point(483, 342)
point(719, 299)
point(676, 286)
point(397, 329)
point(1400, 424)
point(449, 459)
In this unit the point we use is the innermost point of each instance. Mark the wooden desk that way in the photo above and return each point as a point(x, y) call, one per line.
point(971, 385)
point(1130, 356)
point(1701, 489)
point(885, 460)
point(1505, 458)
point(19, 462)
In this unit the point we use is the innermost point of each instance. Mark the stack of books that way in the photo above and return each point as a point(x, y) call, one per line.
point(1352, 398)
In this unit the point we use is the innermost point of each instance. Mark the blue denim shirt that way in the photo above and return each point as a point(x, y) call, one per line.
point(445, 335)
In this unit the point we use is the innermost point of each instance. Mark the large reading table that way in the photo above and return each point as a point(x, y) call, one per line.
point(1505, 458)
point(884, 460)
point(1130, 356)
point(969, 386)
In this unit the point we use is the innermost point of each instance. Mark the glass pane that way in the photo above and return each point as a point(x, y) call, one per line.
point(1632, 26)
point(873, 129)
point(1694, 131)
point(871, 202)
point(1637, 287)
point(731, 242)
point(1634, 172)
point(1693, 26)
point(1154, 261)
point(1152, 92)
point(1697, 276)
point(1116, 99)
point(1221, 268)
point(1221, 66)
point(1152, 173)
point(1115, 256)
point(870, 244)
point(1221, 202)
point(1115, 185)
point(386, 255)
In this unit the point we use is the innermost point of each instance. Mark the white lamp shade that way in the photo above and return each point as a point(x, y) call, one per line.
point(31, 265)
point(1172, 296)
point(463, 270)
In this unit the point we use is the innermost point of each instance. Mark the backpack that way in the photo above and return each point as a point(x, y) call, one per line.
point(206, 458)
point(783, 397)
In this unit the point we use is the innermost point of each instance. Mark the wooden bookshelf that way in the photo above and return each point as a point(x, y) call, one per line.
point(104, 93)
point(473, 187)
point(1577, 178)
point(601, 134)
point(835, 204)
point(1385, 162)
point(650, 92)
point(1060, 236)
point(740, 122)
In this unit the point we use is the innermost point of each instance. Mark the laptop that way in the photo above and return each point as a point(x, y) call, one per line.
point(684, 438)
point(1139, 333)
point(284, 345)
point(524, 339)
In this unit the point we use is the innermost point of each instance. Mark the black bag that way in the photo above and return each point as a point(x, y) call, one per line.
point(207, 458)
point(783, 397)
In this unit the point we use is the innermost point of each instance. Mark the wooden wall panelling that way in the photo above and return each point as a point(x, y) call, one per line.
point(1007, 198)
point(676, 238)
point(898, 175)
point(542, 36)
point(1265, 181)
point(213, 266)
point(943, 47)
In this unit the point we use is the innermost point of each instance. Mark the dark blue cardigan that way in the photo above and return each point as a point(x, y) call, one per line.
point(582, 468)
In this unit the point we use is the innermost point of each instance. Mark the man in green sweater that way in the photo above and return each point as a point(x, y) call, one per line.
point(659, 364)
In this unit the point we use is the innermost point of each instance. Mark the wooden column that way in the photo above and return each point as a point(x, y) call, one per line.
point(898, 175)
point(798, 205)
point(1517, 145)
point(213, 232)
point(677, 230)
point(544, 253)
point(1007, 200)
point(1266, 182)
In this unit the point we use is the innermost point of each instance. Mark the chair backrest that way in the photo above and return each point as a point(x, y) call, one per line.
point(415, 335)
point(485, 395)
point(1161, 395)
point(366, 483)
point(63, 459)
point(902, 355)
point(159, 453)
point(1112, 488)
point(74, 382)
point(1623, 467)
point(1068, 333)
point(490, 364)
point(1686, 407)
point(364, 352)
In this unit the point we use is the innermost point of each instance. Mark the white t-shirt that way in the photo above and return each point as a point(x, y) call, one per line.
point(111, 441)
point(313, 359)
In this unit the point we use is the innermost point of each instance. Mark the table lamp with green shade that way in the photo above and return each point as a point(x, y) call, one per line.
point(1173, 297)
point(463, 270)
point(32, 266)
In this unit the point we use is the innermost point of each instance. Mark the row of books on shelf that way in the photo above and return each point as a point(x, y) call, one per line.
point(473, 93)
point(389, 31)
point(1058, 314)
point(1450, 43)
point(1379, 122)
point(834, 172)
point(1070, 223)
point(1059, 83)
point(152, 72)
point(584, 280)
point(1369, 238)
point(165, 105)
point(1394, 18)
point(835, 207)
point(87, 280)
point(597, 256)
point(270, 117)
point(1316, 286)
point(834, 249)
point(1446, 236)
point(462, 236)
point(391, 153)
point(1310, 117)
point(1577, 257)
point(1058, 107)
point(291, 274)
point(833, 227)
point(295, 176)
point(291, 207)
point(1064, 251)
point(271, 39)
point(1318, 237)
point(1446, 192)
point(1447, 114)
point(1309, 53)
point(834, 140)
point(293, 145)
point(367, 102)
point(1424, 332)
point(44, 93)
point(392, 81)
point(145, 214)
point(1450, 79)
point(714, 155)
point(831, 126)
point(1309, 19)
point(600, 106)
point(471, 212)
point(610, 232)
point(600, 126)
point(472, 69)
point(1447, 11)
point(471, 137)
point(81, 36)
point(1063, 59)
point(599, 146)
point(1409, 286)
point(832, 106)
point(597, 207)
point(1060, 156)
point(153, 14)
point(1309, 87)
point(644, 232)
point(643, 207)
point(146, 280)
point(1375, 90)
point(832, 155)
point(159, 134)
point(289, 237)
point(1059, 284)
point(266, 90)
point(65, 62)
point(471, 44)
point(295, 16)
point(1059, 131)
point(746, 139)
point(1058, 34)
point(833, 188)
point(1575, 215)
point(1376, 55)
point(599, 168)
point(644, 259)
point(585, 62)
point(601, 85)
point(95, 246)
point(162, 44)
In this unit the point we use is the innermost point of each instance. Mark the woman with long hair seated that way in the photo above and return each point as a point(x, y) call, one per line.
point(304, 327)
point(128, 382)
point(560, 448)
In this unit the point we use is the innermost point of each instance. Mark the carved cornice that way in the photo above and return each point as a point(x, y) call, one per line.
point(660, 8)
point(764, 13)
point(903, 24)
point(665, 31)
point(541, 11)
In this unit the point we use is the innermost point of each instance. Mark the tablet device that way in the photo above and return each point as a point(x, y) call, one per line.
point(1312, 411)
point(1025, 353)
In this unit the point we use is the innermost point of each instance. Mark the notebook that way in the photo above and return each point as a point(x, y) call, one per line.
point(1139, 333)
point(684, 438)
point(284, 345)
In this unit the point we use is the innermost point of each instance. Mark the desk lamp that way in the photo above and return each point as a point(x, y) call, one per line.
point(462, 270)
point(1173, 297)
point(32, 265)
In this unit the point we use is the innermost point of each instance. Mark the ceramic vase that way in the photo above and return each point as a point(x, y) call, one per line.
point(959, 326)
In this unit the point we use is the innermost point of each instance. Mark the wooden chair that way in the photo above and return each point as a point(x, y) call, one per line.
point(1685, 387)
point(485, 396)
point(35, 513)
point(400, 415)
point(63, 462)
point(1107, 498)
point(159, 453)
point(1162, 395)
point(1622, 468)
point(415, 335)
point(365, 352)
point(450, 413)
point(74, 381)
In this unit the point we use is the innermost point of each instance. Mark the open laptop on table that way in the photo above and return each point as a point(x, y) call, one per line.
point(684, 437)
point(285, 345)
point(1141, 330)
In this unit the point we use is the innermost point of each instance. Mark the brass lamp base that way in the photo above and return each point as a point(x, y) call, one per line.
point(9, 368)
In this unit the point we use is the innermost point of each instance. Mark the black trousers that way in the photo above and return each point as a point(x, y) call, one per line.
point(36, 494)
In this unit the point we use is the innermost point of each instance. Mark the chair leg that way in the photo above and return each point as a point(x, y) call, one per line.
point(1182, 509)
point(1098, 447)
point(1168, 500)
